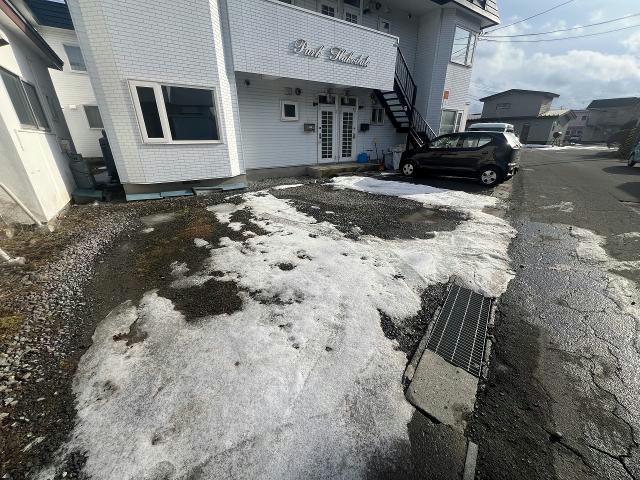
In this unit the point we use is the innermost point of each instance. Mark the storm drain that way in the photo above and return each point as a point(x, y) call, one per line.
point(461, 329)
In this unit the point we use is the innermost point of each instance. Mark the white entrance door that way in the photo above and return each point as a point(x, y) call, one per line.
point(328, 7)
point(347, 133)
point(326, 133)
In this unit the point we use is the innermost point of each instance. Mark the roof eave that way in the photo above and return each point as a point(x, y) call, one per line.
point(17, 17)
point(492, 20)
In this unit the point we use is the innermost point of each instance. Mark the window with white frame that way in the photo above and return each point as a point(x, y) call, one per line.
point(328, 10)
point(288, 111)
point(450, 121)
point(25, 101)
point(76, 60)
point(464, 46)
point(377, 116)
point(174, 114)
point(351, 17)
point(93, 116)
point(384, 25)
point(53, 104)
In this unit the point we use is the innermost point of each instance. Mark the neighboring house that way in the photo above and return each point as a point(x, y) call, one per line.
point(609, 116)
point(72, 82)
point(577, 127)
point(33, 132)
point(207, 91)
point(529, 111)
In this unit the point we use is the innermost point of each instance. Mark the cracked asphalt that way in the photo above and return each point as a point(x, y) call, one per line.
point(563, 394)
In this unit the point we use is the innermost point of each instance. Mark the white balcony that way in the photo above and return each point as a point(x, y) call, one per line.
point(267, 38)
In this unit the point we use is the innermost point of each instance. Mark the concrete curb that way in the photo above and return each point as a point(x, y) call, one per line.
point(470, 461)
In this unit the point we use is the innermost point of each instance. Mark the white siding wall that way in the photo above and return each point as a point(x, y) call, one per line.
point(164, 41)
point(263, 33)
point(74, 90)
point(32, 164)
point(435, 70)
point(269, 142)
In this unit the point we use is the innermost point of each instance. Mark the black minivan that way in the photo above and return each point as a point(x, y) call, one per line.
point(491, 157)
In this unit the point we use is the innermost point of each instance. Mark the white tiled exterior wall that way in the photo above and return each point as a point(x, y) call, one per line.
point(222, 43)
point(435, 71)
point(74, 90)
point(170, 42)
point(32, 164)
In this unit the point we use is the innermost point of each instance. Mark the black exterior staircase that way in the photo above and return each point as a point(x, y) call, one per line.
point(400, 106)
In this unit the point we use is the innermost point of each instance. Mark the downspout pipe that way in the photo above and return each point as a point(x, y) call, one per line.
point(21, 205)
point(4, 256)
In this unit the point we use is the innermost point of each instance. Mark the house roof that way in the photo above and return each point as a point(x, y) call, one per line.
point(517, 90)
point(615, 102)
point(22, 23)
point(556, 113)
point(51, 14)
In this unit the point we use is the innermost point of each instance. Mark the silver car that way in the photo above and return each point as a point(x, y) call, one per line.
point(635, 156)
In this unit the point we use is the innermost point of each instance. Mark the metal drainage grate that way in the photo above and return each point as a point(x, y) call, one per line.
point(461, 329)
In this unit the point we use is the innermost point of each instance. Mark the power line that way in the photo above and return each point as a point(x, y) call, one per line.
point(532, 16)
point(559, 39)
point(563, 29)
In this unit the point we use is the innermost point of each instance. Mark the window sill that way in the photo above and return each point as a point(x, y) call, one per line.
point(186, 142)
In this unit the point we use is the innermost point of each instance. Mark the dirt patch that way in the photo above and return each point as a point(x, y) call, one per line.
point(213, 297)
point(357, 213)
point(409, 331)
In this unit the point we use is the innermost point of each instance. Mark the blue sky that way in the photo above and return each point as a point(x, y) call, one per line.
point(579, 69)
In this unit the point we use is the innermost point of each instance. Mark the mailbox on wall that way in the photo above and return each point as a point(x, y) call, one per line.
point(309, 127)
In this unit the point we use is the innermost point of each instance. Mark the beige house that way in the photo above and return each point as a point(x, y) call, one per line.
point(529, 111)
point(610, 115)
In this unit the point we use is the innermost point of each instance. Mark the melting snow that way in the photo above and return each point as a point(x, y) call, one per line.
point(566, 207)
point(301, 382)
point(285, 187)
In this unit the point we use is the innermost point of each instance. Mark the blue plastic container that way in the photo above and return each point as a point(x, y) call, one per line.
point(363, 157)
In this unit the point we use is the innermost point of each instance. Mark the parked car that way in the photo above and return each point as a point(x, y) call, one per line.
point(635, 156)
point(491, 157)
point(491, 127)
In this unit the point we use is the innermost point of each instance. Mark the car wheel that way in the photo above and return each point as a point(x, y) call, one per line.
point(632, 161)
point(409, 169)
point(490, 176)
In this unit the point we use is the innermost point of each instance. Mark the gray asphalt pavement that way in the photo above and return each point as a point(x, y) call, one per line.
point(562, 400)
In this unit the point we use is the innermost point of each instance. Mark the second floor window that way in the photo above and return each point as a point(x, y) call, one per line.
point(503, 106)
point(464, 46)
point(329, 10)
point(76, 60)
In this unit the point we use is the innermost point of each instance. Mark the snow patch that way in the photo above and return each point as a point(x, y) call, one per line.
point(148, 230)
point(425, 194)
point(201, 242)
point(566, 207)
point(285, 187)
point(303, 369)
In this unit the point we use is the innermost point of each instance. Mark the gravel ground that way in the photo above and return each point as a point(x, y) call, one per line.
point(50, 306)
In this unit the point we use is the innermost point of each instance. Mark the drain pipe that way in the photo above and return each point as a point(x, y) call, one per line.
point(21, 205)
point(5, 257)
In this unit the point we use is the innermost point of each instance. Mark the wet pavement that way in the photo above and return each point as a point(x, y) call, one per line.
point(562, 399)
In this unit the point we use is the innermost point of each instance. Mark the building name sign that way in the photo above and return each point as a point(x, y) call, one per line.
point(334, 54)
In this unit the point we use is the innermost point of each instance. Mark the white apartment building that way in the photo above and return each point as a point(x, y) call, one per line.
point(202, 92)
point(72, 84)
